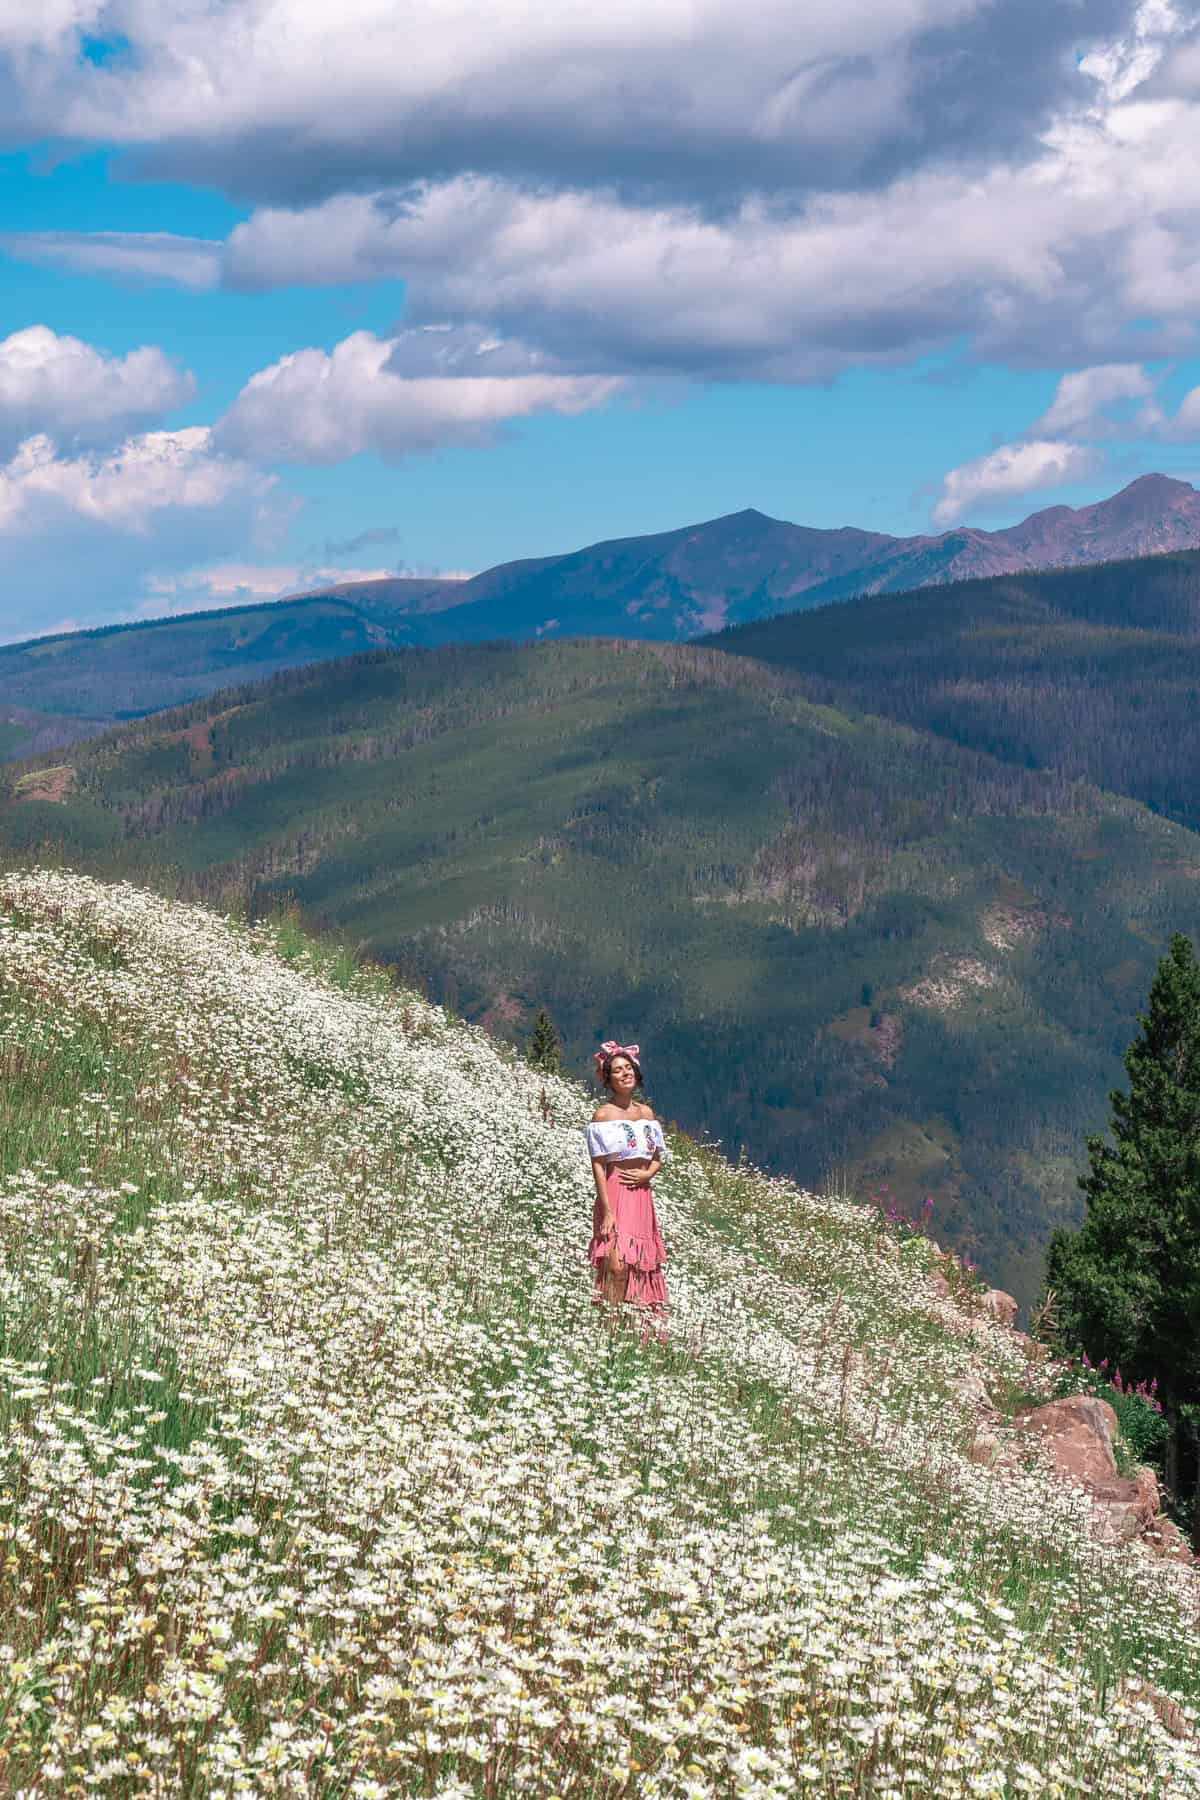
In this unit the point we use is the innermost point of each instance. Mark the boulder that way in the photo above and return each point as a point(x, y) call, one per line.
point(940, 1285)
point(1128, 1507)
point(1000, 1306)
point(1078, 1432)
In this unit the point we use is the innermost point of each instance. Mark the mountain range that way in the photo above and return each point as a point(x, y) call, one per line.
point(671, 586)
point(745, 566)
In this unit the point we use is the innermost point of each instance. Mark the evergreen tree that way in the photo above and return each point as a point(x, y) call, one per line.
point(545, 1051)
point(1127, 1283)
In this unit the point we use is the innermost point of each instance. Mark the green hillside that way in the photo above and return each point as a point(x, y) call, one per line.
point(850, 948)
point(323, 1476)
point(1094, 672)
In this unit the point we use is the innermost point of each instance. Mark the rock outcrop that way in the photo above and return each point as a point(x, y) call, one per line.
point(1079, 1433)
point(1000, 1306)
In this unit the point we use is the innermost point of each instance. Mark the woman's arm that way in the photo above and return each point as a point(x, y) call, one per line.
point(636, 1178)
point(600, 1177)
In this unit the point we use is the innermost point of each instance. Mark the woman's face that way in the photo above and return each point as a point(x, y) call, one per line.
point(621, 1078)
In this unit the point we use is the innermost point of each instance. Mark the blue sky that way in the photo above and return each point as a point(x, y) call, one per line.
point(288, 295)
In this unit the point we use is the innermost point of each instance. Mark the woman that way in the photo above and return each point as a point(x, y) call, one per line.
point(625, 1143)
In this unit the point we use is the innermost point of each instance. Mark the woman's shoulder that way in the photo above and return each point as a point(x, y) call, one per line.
point(603, 1114)
point(646, 1112)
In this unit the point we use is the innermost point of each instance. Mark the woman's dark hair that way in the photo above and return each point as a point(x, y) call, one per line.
point(606, 1069)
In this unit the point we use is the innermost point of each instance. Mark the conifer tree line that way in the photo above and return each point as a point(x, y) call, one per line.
point(1126, 1284)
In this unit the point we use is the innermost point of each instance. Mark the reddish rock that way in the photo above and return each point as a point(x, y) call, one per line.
point(940, 1285)
point(1129, 1506)
point(1164, 1537)
point(1000, 1306)
point(1078, 1432)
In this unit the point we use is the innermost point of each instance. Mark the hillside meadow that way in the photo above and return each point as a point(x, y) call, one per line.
point(323, 1475)
point(852, 948)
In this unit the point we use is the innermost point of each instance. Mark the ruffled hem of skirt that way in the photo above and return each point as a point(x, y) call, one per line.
point(645, 1255)
point(645, 1287)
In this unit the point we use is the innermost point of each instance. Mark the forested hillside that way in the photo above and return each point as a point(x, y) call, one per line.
point(1093, 672)
point(849, 947)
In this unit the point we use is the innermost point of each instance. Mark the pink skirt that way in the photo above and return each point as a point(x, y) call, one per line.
point(638, 1240)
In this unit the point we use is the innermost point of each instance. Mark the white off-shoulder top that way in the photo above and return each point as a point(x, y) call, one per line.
point(620, 1140)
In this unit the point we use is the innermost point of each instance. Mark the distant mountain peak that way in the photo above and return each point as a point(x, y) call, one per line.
point(1154, 483)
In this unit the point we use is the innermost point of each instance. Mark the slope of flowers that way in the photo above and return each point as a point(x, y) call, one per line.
point(322, 1475)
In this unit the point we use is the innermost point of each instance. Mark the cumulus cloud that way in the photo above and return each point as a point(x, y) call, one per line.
point(78, 395)
point(1027, 261)
point(1086, 401)
point(88, 529)
point(689, 101)
point(125, 490)
point(685, 190)
point(395, 396)
point(1124, 63)
point(724, 266)
point(1009, 471)
point(1090, 408)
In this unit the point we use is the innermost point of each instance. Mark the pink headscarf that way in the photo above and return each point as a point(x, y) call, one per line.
point(610, 1047)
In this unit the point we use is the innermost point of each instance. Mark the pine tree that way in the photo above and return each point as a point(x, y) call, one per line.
point(545, 1051)
point(1127, 1283)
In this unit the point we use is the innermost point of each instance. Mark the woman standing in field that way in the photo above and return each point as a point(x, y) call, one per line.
point(625, 1143)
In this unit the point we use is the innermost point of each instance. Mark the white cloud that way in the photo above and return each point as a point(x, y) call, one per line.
point(1011, 470)
point(87, 530)
point(214, 585)
point(687, 190)
point(692, 100)
point(50, 27)
point(193, 263)
point(1042, 254)
point(125, 490)
point(1122, 65)
point(1084, 398)
point(1090, 406)
point(1022, 260)
point(79, 395)
point(368, 395)
point(1185, 425)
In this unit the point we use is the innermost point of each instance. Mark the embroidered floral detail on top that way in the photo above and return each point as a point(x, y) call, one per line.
point(620, 1140)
